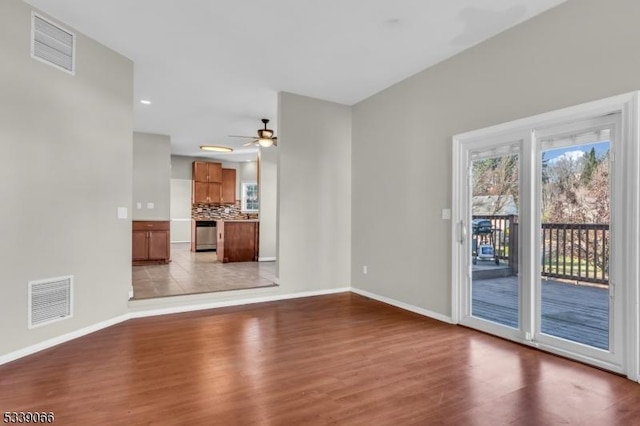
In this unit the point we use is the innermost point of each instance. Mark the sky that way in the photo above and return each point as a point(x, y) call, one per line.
point(575, 152)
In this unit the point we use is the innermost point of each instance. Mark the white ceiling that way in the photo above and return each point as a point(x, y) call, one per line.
point(213, 68)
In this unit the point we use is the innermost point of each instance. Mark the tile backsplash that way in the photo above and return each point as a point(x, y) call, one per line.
point(230, 212)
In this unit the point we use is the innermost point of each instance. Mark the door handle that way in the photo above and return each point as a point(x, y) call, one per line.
point(462, 232)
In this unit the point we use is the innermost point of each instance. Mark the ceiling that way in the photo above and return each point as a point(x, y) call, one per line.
point(214, 68)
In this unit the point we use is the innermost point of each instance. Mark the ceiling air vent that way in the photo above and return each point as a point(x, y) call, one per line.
point(52, 44)
point(50, 300)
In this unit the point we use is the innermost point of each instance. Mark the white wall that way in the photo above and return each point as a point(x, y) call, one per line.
point(151, 176)
point(582, 50)
point(314, 193)
point(66, 168)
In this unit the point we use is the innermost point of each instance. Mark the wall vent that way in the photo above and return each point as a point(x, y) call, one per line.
point(50, 300)
point(52, 44)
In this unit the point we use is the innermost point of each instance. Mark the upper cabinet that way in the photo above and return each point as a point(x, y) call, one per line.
point(228, 186)
point(212, 184)
point(204, 171)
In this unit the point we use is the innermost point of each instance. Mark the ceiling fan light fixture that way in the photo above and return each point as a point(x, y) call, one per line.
point(265, 133)
point(265, 142)
point(216, 148)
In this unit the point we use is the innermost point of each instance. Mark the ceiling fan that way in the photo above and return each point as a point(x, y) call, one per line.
point(264, 139)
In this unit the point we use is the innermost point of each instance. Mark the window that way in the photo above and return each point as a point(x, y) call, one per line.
point(250, 201)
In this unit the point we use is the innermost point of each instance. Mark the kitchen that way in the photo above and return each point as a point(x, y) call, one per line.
point(190, 196)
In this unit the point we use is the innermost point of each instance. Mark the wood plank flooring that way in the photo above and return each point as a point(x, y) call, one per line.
point(579, 313)
point(339, 359)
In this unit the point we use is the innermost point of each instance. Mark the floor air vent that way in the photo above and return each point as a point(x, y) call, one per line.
point(50, 300)
point(52, 44)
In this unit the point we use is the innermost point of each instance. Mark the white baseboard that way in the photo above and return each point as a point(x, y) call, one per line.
point(403, 305)
point(12, 356)
point(266, 259)
point(237, 302)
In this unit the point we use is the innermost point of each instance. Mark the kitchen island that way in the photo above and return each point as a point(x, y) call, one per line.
point(237, 240)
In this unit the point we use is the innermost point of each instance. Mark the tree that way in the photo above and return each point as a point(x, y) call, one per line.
point(497, 176)
point(589, 165)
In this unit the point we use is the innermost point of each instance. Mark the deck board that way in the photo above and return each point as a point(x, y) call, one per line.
point(573, 312)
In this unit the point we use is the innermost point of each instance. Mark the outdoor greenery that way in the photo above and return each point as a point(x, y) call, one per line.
point(575, 190)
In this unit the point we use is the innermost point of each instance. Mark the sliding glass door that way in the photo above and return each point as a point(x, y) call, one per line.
point(542, 234)
point(576, 305)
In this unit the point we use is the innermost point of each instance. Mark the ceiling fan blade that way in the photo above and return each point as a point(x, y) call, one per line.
point(249, 143)
point(244, 137)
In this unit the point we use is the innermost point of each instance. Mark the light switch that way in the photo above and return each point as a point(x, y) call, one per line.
point(446, 214)
point(150, 206)
point(122, 212)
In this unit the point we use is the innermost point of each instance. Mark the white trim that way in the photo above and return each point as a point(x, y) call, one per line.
point(628, 287)
point(402, 305)
point(236, 302)
point(29, 350)
point(180, 220)
point(266, 259)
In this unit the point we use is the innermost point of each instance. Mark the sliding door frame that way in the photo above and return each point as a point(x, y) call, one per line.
point(628, 159)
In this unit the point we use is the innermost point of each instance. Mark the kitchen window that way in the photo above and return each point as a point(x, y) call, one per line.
point(250, 201)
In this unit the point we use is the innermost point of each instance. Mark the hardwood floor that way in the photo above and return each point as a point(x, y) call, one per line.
point(339, 359)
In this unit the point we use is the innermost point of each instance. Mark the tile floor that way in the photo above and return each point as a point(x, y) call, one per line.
point(190, 273)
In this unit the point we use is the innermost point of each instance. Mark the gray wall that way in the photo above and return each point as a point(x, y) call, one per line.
point(268, 202)
point(314, 193)
point(65, 168)
point(247, 172)
point(151, 176)
point(582, 50)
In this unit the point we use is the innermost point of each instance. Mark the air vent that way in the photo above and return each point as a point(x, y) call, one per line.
point(50, 300)
point(52, 44)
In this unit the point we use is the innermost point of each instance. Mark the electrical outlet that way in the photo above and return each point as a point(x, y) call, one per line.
point(150, 206)
point(364, 269)
point(446, 214)
point(138, 205)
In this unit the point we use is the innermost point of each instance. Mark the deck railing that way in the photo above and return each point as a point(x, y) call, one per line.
point(572, 251)
point(576, 251)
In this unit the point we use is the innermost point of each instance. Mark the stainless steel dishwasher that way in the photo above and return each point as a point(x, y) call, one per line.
point(206, 235)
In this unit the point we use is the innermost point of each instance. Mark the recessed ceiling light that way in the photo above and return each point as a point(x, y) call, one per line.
point(216, 148)
point(145, 102)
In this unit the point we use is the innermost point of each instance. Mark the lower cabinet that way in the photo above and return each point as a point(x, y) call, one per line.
point(237, 241)
point(150, 242)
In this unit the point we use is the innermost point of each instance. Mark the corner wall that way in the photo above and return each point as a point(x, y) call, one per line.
point(580, 51)
point(65, 168)
point(314, 193)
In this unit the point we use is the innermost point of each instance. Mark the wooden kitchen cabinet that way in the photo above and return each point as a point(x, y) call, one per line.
point(150, 242)
point(238, 241)
point(206, 193)
point(204, 171)
point(207, 183)
point(228, 186)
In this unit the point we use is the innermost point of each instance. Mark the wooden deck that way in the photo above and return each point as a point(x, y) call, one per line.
point(574, 312)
